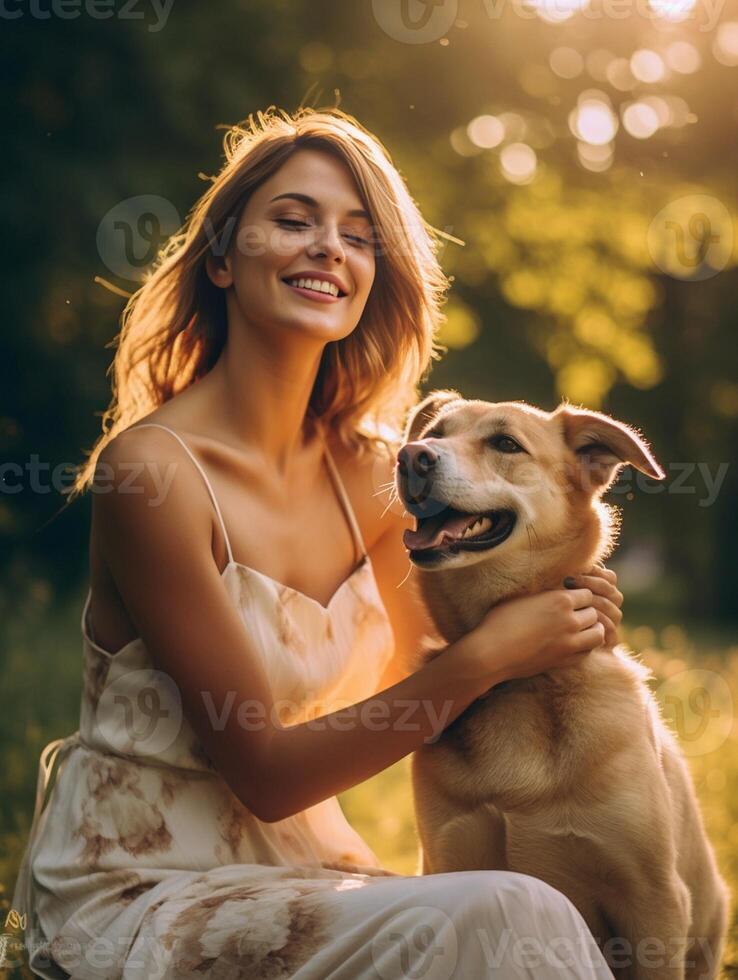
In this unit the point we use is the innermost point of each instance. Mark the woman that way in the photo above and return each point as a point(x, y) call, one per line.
point(192, 828)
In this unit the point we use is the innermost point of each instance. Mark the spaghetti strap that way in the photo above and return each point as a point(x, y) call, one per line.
point(341, 490)
point(192, 456)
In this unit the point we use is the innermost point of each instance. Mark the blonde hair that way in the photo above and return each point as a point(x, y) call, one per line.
point(174, 327)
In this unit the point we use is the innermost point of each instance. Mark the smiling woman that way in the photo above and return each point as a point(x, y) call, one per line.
point(238, 629)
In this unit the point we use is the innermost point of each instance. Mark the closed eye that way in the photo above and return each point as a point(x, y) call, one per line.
point(291, 223)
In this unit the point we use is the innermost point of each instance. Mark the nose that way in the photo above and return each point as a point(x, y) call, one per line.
point(417, 458)
point(327, 242)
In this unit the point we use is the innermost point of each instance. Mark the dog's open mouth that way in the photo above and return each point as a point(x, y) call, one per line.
point(452, 530)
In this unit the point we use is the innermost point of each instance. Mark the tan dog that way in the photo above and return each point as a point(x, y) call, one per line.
point(570, 776)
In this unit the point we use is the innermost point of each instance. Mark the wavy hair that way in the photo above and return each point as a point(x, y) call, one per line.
point(174, 327)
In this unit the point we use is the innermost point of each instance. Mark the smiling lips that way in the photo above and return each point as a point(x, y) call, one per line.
point(316, 289)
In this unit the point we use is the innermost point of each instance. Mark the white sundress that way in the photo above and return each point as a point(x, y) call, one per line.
point(141, 862)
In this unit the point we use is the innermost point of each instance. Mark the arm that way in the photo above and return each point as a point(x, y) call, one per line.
point(175, 596)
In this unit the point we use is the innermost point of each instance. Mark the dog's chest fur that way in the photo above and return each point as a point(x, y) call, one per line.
point(526, 745)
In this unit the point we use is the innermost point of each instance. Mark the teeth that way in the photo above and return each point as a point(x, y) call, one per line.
point(479, 527)
point(320, 286)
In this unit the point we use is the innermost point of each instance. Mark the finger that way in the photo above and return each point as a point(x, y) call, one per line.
point(585, 617)
point(590, 639)
point(610, 627)
point(601, 572)
point(613, 612)
point(600, 586)
point(580, 597)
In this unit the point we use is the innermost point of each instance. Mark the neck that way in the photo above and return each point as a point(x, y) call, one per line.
point(260, 392)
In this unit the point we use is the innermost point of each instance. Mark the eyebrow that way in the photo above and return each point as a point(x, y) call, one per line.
point(311, 202)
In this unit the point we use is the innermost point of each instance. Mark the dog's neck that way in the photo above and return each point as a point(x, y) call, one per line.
point(459, 598)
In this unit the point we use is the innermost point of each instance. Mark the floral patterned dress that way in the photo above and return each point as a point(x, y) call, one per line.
point(142, 863)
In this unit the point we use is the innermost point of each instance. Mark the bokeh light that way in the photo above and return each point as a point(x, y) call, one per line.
point(516, 127)
point(674, 10)
point(725, 46)
point(459, 140)
point(661, 107)
point(678, 110)
point(647, 66)
point(518, 162)
point(486, 131)
point(593, 121)
point(566, 62)
point(595, 158)
point(640, 120)
point(683, 57)
point(555, 11)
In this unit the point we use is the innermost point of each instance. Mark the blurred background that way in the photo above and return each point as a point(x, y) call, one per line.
point(585, 153)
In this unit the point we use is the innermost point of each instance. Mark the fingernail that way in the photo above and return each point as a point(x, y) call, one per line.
point(570, 582)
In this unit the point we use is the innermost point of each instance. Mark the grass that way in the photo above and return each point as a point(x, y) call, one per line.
point(696, 683)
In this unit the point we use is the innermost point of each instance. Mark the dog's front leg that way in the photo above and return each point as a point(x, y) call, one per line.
point(472, 841)
point(454, 835)
point(649, 933)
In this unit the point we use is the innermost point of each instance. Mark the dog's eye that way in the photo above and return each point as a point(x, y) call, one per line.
point(506, 444)
point(436, 433)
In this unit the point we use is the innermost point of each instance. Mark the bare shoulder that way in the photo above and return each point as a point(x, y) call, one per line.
point(144, 479)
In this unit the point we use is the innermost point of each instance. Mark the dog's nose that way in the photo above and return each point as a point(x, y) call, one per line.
point(417, 458)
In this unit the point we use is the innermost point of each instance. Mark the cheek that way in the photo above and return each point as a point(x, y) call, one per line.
point(539, 494)
point(363, 274)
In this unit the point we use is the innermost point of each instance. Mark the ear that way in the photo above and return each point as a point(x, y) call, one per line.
point(218, 268)
point(425, 410)
point(602, 446)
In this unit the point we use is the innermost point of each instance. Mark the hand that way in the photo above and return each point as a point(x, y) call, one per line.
point(607, 599)
point(527, 635)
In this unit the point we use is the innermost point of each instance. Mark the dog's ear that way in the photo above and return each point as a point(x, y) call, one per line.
point(424, 411)
point(602, 446)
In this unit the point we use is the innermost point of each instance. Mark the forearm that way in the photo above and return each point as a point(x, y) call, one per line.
point(317, 759)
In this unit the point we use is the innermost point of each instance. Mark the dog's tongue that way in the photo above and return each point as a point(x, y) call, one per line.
point(431, 532)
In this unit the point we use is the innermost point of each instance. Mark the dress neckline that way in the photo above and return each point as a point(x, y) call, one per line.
point(365, 560)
